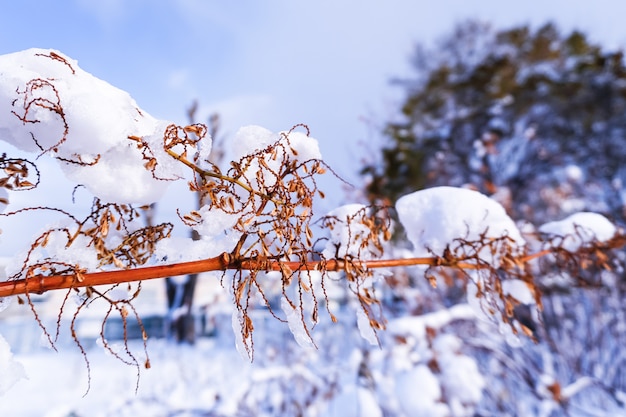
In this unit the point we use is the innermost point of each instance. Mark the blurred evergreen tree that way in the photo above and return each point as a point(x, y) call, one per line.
point(537, 120)
point(533, 116)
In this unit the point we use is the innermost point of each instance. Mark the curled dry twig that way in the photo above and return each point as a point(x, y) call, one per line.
point(130, 249)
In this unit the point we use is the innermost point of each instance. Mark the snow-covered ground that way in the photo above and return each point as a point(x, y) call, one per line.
point(344, 377)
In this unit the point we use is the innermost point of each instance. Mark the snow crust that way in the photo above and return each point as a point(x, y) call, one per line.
point(580, 229)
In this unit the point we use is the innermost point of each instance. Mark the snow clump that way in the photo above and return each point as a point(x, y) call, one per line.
point(54, 107)
point(580, 229)
point(293, 146)
point(349, 239)
point(436, 218)
point(446, 220)
point(252, 139)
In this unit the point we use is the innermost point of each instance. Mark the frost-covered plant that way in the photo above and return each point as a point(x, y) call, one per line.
point(256, 219)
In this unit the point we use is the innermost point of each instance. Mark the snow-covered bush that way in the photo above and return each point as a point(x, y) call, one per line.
point(533, 118)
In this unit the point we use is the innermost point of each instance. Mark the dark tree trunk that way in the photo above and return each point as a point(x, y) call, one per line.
point(181, 320)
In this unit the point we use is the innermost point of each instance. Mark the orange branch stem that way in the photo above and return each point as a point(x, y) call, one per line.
point(535, 255)
point(39, 283)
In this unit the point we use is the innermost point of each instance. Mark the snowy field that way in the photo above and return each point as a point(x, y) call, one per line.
point(344, 377)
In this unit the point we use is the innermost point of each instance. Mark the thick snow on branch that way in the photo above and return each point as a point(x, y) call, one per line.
point(251, 139)
point(579, 229)
point(436, 218)
point(50, 105)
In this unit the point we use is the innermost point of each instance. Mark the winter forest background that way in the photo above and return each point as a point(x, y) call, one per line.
point(530, 115)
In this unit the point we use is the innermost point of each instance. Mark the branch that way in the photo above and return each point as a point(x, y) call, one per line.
point(205, 173)
point(39, 284)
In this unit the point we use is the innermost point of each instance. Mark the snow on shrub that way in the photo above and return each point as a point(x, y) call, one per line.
point(432, 376)
point(50, 105)
point(461, 225)
point(357, 234)
point(579, 230)
point(441, 219)
point(347, 234)
point(256, 220)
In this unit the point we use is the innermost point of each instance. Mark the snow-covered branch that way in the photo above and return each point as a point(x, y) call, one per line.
point(256, 220)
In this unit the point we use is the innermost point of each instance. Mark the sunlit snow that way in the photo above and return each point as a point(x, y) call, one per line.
point(580, 229)
point(436, 218)
point(51, 106)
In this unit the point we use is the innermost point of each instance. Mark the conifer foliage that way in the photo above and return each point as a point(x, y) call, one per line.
point(531, 114)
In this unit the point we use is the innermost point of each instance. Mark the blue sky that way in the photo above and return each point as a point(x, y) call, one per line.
point(326, 63)
point(276, 63)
